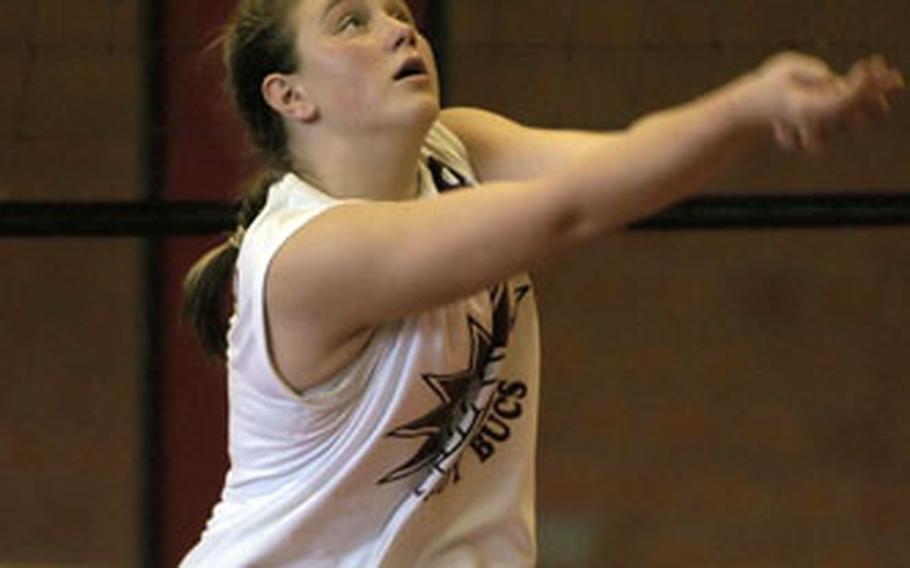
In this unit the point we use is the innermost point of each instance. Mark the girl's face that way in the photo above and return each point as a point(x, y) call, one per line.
point(364, 64)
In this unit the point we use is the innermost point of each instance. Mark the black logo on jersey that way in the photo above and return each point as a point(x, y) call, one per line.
point(475, 405)
point(445, 177)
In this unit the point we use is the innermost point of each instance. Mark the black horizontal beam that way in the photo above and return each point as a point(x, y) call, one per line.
point(138, 219)
point(114, 219)
point(784, 211)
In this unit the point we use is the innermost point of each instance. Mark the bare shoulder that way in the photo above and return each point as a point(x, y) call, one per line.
point(457, 116)
point(474, 125)
point(309, 337)
point(503, 149)
point(493, 141)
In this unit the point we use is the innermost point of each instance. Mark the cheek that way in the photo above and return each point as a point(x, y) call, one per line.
point(426, 51)
point(348, 76)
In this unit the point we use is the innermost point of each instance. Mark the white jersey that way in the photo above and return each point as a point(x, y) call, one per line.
point(419, 453)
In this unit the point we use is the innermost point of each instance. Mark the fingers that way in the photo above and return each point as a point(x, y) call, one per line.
point(829, 105)
point(787, 137)
point(869, 83)
point(880, 75)
point(813, 141)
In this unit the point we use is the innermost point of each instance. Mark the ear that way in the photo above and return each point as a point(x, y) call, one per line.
point(287, 97)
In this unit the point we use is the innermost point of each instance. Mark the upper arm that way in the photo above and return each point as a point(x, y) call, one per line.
point(501, 149)
point(361, 264)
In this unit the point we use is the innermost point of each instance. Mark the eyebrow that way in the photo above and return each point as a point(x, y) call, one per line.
point(398, 3)
point(329, 7)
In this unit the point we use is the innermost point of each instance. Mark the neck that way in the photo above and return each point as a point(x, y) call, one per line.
point(379, 165)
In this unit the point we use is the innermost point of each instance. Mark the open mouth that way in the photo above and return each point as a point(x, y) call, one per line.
point(411, 68)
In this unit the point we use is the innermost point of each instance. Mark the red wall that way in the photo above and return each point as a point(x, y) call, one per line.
point(205, 160)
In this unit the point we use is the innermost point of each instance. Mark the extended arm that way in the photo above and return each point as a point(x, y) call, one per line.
point(504, 150)
point(359, 265)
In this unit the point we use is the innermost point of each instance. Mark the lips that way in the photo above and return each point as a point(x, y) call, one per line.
point(413, 66)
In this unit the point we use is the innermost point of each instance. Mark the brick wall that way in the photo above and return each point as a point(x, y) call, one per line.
point(711, 398)
point(70, 310)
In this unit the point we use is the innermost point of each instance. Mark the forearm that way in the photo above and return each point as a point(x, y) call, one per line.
point(658, 160)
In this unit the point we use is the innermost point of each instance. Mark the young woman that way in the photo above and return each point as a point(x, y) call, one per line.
point(382, 353)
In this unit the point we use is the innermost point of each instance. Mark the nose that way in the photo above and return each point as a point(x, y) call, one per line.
point(403, 34)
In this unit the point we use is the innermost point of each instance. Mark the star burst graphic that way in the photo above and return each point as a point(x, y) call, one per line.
point(464, 397)
point(446, 427)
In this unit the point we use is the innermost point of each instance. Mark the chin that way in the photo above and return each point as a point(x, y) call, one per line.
point(424, 113)
point(432, 110)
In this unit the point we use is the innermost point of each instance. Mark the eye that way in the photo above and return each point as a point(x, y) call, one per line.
point(352, 21)
point(402, 15)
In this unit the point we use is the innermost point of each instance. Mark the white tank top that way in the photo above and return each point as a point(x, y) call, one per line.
point(419, 453)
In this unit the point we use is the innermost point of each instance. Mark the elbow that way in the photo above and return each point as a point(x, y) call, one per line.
point(569, 225)
point(570, 228)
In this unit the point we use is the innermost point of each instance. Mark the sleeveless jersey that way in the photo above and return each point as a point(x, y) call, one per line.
point(419, 453)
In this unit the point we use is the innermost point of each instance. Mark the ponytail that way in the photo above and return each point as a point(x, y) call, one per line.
point(259, 39)
point(203, 297)
point(205, 288)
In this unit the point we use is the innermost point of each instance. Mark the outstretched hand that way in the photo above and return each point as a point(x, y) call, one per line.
point(808, 104)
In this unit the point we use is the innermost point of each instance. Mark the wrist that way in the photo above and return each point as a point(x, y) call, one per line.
point(748, 103)
point(744, 105)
